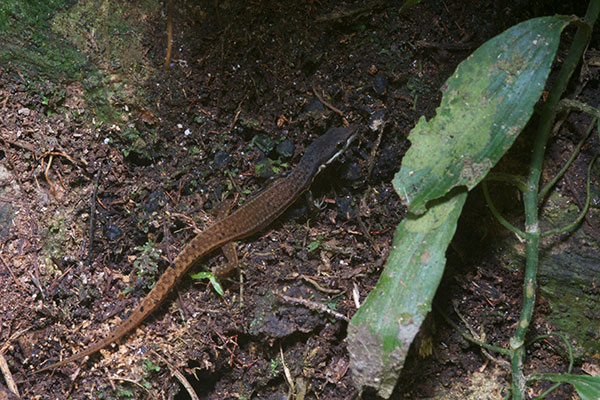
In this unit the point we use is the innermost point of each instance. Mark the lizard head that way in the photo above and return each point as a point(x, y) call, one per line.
point(329, 146)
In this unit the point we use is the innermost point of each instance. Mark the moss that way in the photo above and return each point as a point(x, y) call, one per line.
point(95, 42)
point(109, 32)
point(31, 47)
point(569, 281)
point(568, 275)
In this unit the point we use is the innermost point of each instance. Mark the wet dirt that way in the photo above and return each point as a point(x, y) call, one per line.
point(249, 86)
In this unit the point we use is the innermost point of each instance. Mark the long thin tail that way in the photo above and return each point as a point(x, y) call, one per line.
point(195, 249)
point(145, 308)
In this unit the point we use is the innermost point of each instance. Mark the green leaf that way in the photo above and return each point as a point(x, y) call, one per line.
point(587, 387)
point(382, 330)
point(149, 366)
point(213, 281)
point(486, 103)
point(314, 245)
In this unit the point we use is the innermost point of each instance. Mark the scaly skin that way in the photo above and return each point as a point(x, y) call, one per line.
point(253, 216)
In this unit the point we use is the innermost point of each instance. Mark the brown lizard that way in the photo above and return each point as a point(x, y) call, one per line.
point(253, 216)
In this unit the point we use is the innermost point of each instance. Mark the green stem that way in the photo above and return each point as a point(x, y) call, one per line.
point(517, 342)
point(542, 194)
point(472, 339)
point(497, 214)
point(583, 212)
point(568, 347)
point(515, 180)
point(547, 392)
point(569, 104)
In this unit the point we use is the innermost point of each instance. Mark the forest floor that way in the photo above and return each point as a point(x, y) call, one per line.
point(110, 164)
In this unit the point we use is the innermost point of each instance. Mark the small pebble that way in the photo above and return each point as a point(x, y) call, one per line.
point(222, 160)
point(285, 149)
point(111, 232)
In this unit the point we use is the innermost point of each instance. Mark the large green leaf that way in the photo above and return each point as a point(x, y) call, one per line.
point(588, 387)
point(487, 102)
point(485, 105)
point(384, 327)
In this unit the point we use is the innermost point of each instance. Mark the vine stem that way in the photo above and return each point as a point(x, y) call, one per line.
point(532, 230)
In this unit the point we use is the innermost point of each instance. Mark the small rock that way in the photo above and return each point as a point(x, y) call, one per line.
point(379, 84)
point(314, 106)
point(7, 214)
point(111, 232)
point(285, 149)
point(222, 159)
point(264, 168)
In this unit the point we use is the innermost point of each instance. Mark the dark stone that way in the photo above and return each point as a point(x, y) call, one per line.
point(111, 232)
point(264, 168)
point(7, 214)
point(285, 149)
point(380, 84)
point(314, 106)
point(222, 159)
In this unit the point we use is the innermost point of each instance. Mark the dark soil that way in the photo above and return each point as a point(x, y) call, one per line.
point(237, 107)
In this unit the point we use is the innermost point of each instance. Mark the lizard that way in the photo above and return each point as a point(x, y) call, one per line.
point(253, 216)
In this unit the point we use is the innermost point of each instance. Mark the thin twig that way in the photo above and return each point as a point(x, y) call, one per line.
point(583, 212)
point(499, 217)
point(12, 273)
point(123, 379)
point(5, 100)
point(169, 35)
point(68, 157)
point(189, 220)
point(37, 283)
point(8, 378)
point(287, 373)
point(237, 113)
point(14, 168)
point(363, 226)
point(542, 193)
point(180, 377)
point(319, 287)
point(4, 368)
point(325, 102)
point(445, 46)
point(374, 150)
point(62, 275)
point(46, 170)
point(21, 144)
point(341, 14)
point(93, 217)
point(470, 338)
point(237, 187)
point(313, 306)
